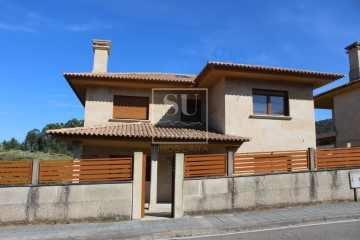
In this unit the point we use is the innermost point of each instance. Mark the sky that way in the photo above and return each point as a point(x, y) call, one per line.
point(41, 39)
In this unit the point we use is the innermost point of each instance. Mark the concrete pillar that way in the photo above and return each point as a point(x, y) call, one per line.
point(230, 160)
point(179, 180)
point(35, 172)
point(76, 156)
point(311, 152)
point(137, 185)
point(154, 176)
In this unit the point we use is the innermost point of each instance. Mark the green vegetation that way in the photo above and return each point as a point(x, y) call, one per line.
point(324, 126)
point(26, 155)
point(39, 145)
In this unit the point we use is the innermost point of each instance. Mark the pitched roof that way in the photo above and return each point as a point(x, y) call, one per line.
point(265, 69)
point(325, 99)
point(150, 76)
point(147, 131)
point(335, 89)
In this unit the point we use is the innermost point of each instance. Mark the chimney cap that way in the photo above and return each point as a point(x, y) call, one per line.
point(102, 45)
point(353, 45)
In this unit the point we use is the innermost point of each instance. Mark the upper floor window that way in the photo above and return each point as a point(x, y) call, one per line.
point(129, 107)
point(269, 102)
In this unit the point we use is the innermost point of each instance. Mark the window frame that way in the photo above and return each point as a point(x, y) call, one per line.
point(128, 96)
point(272, 93)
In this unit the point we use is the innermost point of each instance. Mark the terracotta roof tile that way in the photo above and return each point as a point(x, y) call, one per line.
point(164, 77)
point(258, 68)
point(144, 130)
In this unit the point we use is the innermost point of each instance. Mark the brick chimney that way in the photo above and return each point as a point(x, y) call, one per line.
point(101, 54)
point(354, 59)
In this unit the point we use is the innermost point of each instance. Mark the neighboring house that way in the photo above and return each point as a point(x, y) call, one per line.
point(1, 147)
point(250, 109)
point(344, 103)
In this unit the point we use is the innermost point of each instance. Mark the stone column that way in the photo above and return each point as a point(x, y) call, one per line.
point(154, 176)
point(311, 152)
point(179, 180)
point(76, 156)
point(35, 172)
point(137, 185)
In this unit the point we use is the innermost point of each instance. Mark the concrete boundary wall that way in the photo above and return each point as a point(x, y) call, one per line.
point(273, 190)
point(66, 202)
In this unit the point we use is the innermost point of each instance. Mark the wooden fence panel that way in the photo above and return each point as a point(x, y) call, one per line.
point(86, 170)
point(15, 172)
point(270, 162)
point(205, 165)
point(337, 158)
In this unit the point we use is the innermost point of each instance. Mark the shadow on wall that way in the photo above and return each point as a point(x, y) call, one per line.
point(244, 87)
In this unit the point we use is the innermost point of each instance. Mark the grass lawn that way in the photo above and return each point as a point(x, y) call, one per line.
point(25, 155)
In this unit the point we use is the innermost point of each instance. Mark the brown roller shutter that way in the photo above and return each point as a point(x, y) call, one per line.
point(128, 107)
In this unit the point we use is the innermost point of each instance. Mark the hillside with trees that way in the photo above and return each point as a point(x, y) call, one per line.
point(39, 141)
point(324, 126)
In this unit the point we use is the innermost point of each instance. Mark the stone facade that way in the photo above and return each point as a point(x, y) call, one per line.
point(347, 117)
point(270, 134)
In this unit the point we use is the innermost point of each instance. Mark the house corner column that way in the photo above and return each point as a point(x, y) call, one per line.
point(179, 181)
point(137, 186)
point(154, 176)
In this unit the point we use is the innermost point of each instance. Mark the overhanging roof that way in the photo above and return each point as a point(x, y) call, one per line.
point(146, 131)
point(325, 100)
point(209, 75)
point(213, 71)
point(80, 81)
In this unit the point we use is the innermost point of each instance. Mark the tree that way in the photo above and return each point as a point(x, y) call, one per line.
point(31, 140)
point(37, 140)
point(12, 144)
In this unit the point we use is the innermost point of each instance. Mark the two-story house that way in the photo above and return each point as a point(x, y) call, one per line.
point(343, 101)
point(243, 108)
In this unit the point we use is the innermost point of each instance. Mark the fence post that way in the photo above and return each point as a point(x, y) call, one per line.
point(137, 185)
point(179, 180)
point(35, 172)
point(230, 160)
point(311, 152)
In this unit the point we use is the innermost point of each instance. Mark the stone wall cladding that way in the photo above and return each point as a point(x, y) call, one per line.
point(276, 190)
point(269, 134)
point(347, 117)
point(66, 203)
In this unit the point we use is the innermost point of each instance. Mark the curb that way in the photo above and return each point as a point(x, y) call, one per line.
point(248, 227)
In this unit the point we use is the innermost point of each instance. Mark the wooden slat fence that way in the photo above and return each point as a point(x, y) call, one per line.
point(86, 170)
point(337, 158)
point(205, 165)
point(270, 162)
point(15, 172)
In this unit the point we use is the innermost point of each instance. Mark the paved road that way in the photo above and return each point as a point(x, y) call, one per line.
point(328, 231)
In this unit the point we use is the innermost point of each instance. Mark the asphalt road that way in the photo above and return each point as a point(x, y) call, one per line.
point(326, 231)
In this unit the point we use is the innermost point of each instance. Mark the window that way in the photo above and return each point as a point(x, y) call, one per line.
point(129, 107)
point(270, 102)
point(193, 111)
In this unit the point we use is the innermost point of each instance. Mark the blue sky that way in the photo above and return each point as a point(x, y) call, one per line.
point(41, 39)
